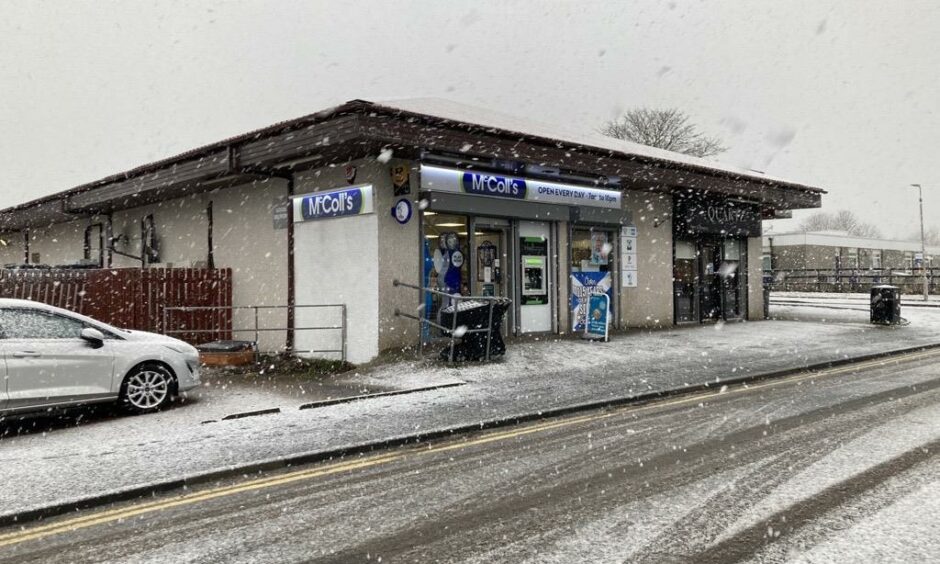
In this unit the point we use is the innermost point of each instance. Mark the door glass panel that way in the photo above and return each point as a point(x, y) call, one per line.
point(490, 252)
point(730, 274)
point(684, 280)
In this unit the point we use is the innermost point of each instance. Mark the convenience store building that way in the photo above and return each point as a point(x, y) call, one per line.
point(332, 207)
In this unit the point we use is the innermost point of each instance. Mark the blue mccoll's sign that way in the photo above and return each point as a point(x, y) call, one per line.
point(493, 185)
point(337, 203)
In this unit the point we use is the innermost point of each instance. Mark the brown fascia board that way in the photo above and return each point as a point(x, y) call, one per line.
point(643, 159)
point(361, 107)
point(199, 152)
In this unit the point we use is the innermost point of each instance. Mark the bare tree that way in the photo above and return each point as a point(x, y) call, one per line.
point(668, 129)
point(842, 220)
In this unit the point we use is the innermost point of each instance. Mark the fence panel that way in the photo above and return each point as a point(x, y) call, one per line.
point(131, 298)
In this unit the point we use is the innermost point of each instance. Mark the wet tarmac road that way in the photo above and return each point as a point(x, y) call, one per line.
point(837, 466)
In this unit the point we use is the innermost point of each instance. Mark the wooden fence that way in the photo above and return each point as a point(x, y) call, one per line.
point(132, 298)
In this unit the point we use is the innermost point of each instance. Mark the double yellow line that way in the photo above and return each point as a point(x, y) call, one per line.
point(118, 514)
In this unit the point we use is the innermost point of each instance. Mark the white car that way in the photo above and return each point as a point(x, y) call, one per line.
point(56, 358)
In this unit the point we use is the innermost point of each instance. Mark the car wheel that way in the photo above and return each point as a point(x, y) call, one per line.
point(148, 388)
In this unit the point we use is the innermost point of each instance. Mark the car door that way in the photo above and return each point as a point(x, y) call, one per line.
point(48, 362)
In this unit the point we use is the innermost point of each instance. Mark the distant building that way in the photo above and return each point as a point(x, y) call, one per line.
point(835, 250)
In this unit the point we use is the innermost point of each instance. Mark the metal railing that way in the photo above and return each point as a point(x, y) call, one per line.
point(451, 332)
point(910, 281)
point(228, 312)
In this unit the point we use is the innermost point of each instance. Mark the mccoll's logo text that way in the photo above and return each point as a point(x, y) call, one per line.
point(332, 204)
point(491, 185)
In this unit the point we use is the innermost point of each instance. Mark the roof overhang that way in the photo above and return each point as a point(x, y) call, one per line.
point(361, 129)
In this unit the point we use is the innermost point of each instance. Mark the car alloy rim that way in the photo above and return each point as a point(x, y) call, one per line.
point(147, 389)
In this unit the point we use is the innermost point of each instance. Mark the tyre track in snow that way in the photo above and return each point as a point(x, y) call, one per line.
point(793, 441)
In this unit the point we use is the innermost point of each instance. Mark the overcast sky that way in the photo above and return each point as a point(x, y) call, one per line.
point(837, 94)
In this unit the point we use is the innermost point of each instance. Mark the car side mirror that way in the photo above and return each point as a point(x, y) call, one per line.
point(94, 337)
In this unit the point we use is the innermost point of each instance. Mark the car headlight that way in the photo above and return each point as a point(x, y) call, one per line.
point(183, 349)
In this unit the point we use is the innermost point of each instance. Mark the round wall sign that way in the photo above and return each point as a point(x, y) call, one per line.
point(402, 211)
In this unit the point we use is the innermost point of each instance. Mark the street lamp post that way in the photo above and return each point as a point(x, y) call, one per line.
point(923, 244)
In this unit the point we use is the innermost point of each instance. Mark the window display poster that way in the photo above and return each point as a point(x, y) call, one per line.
point(600, 248)
point(583, 285)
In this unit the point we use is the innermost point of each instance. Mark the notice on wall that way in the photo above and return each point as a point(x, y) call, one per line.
point(628, 260)
point(629, 278)
point(279, 215)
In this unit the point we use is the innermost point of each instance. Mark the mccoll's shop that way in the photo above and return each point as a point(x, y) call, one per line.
point(546, 245)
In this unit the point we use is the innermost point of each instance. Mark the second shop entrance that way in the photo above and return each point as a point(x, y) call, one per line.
point(707, 280)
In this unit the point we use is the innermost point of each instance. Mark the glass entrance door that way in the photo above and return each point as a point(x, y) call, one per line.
point(710, 290)
point(491, 256)
point(491, 263)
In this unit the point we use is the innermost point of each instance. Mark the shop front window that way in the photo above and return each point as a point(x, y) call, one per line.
point(446, 262)
point(592, 268)
point(591, 250)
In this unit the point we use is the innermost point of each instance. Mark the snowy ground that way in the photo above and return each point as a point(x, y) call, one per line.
point(114, 453)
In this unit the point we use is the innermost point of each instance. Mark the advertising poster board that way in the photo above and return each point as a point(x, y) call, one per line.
point(598, 317)
point(583, 285)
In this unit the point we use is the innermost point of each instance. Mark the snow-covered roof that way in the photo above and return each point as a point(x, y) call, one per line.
point(467, 114)
point(841, 239)
point(430, 109)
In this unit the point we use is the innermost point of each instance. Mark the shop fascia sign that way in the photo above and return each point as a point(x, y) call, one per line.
point(476, 183)
point(706, 215)
point(353, 200)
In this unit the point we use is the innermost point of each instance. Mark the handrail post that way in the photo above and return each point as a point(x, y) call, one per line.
point(453, 330)
point(344, 332)
point(489, 333)
point(257, 336)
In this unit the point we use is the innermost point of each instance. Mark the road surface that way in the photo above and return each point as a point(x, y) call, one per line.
point(835, 466)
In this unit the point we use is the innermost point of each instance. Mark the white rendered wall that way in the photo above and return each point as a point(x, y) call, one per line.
point(336, 261)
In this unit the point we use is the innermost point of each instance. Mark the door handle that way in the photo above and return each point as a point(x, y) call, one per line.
point(26, 354)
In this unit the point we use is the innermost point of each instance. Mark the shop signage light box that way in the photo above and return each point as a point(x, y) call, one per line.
point(354, 200)
point(495, 185)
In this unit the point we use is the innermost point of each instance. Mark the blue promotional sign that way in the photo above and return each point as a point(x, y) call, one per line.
point(491, 185)
point(583, 284)
point(476, 183)
point(355, 200)
point(598, 316)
